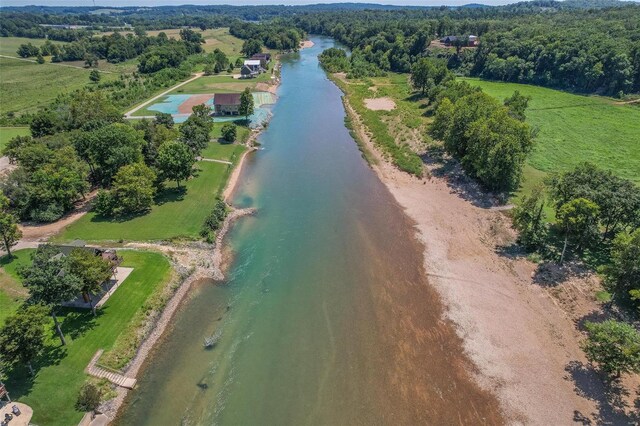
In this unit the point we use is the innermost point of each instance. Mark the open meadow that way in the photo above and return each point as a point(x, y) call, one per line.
point(573, 129)
point(53, 390)
point(26, 86)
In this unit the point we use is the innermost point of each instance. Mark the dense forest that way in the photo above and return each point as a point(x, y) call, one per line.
point(583, 46)
point(593, 51)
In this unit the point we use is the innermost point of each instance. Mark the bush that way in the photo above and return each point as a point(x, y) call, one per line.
point(214, 221)
point(229, 132)
point(89, 397)
point(47, 213)
point(103, 203)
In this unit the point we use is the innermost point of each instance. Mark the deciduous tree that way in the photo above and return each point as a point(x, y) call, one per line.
point(246, 104)
point(9, 230)
point(175, 161)
point(50, 282)
point(92, 270)
point(614, 345)
point(22, 336)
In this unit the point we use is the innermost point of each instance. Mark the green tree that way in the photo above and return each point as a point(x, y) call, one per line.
point(22, 336)
point(109, 148)
point(229, 132)
point(133, 189)
point(42, 124)
point(246, 104)
point(94, 76)
point(209, 69)
point(195, 135)
point(50, 282)
point(578, 220)
point(89, 398)
point(40, 59)
point(614, 345)
point(175, 161)
point(623, 273)
point(251, 47)
point(165, 119)
point(9, 230)
point(529, 219)
point(92, 270)
point(517, 105)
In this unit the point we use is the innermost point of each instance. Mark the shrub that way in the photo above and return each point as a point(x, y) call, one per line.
point(89, 397)
point(229, 132)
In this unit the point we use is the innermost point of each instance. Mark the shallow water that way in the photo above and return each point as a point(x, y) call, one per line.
point(326, 316)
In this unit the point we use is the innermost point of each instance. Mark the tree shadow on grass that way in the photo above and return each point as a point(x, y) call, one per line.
point(609, 395)
point(171, 195)
point(20, 381)
point(77, 322)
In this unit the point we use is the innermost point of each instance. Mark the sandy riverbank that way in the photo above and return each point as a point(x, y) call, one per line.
point(306, 44)
point(525, 347)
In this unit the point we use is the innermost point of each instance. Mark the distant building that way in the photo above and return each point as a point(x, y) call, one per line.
point(473, 40)
point(448, 40)
point(264, 59)
point(254, 65)
point(245, 72)
point(226, 103)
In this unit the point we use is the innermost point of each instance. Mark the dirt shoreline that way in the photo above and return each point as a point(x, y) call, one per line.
point(526, 349)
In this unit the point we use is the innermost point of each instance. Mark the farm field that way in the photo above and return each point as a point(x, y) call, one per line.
point(26, 86)
point(9, 45)
point(573, 129)
point(60, 371)
point(176, 214)
point(8, 133)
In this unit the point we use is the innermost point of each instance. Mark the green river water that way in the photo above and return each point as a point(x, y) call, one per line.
point(326, 315)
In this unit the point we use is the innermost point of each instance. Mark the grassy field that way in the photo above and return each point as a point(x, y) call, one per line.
point(177, 214)
point(9, 45)
point(8, 133)
point(26, 86)
point(12, 293)
point(574, 128)
point(400, 132)
point(60, 371)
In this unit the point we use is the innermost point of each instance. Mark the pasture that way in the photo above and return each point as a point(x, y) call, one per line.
point(8, 133)
point(573, 129)
point(52, 392)
point(27, 86)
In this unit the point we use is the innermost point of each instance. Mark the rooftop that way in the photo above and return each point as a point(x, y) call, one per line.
point(226, 99)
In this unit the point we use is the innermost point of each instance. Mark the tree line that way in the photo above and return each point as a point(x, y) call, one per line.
point(593, 51)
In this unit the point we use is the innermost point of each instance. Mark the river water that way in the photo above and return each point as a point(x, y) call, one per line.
point(326, 316)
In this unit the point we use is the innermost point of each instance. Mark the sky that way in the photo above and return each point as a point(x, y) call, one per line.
point(116, 3)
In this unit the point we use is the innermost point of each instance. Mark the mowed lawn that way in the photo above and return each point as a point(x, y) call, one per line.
point(177, 214)
point(8, 133)
point(26, 86)
point(12, 293)
point(221, 83)
point(60, 371)
point(573, 129)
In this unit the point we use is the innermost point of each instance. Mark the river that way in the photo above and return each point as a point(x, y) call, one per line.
point(326, 316)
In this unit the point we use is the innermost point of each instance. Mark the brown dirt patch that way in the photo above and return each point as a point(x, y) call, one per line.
point(187, 106)
point(380, 104)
